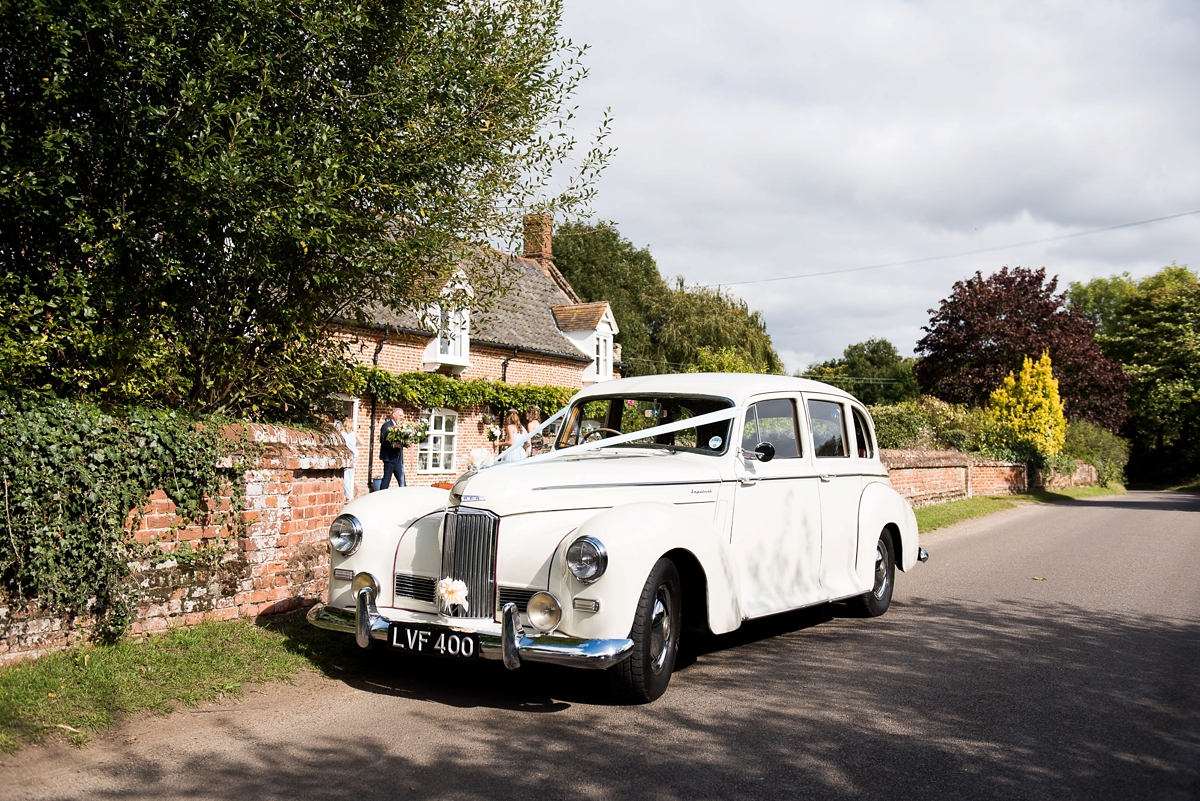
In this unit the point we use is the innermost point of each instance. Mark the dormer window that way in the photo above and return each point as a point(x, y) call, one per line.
point(453, 333)
point(590, 327)
point(450, 348)
point(603, 363)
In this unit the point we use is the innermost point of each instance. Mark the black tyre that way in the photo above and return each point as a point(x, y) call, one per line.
point(645, 674)
point(875, 602)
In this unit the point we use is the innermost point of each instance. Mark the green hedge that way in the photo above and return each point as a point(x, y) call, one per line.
point(433, 390)
point(70, 473)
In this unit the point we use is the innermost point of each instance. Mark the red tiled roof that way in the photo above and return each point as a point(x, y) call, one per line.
point(580, 316)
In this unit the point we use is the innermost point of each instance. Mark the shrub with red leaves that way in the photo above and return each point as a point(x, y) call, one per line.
point(987, 326)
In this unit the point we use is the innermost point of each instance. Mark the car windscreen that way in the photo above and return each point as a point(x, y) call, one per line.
point(603, 418)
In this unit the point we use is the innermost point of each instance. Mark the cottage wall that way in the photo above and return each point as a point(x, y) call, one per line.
point(404, 353)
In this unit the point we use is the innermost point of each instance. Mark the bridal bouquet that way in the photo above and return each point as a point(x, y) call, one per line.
point(408, 433)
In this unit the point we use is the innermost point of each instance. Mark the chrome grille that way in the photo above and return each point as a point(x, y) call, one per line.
point(469, 555)
point(516, 595)
point(421, 588)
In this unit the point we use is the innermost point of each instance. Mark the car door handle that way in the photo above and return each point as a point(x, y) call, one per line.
point(748, 481)
point(826, 477)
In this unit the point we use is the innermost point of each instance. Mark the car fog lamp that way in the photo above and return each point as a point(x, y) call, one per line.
point(586, 559)
point(364, 580)
point(544, 612)
point(345, 535)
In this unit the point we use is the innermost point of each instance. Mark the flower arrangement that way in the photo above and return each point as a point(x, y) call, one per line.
point(493, 433)
point(479, 459)
point(452, 592)
point(408, 433)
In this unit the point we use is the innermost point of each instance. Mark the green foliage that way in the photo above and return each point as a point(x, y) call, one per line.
point(723, 360)
point(601, 265)
point(70, 475)
point(873, 371)
point(1155, 332)
point(901, 426)
point(190, 193)
point(1100, 448)
point(435, 390)
point(928, 423)
point(1102, 299)
point(664, 326)
point(1026, 412)
point(76, 693)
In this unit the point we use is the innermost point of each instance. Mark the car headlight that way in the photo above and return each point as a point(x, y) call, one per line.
point(345, 535)
point(544, 612)
point(586, 559)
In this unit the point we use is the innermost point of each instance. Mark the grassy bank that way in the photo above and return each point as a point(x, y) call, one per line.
point(944, 514)
point(75, 693)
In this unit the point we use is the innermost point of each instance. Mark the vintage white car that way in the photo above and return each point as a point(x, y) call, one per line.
point(665, 503)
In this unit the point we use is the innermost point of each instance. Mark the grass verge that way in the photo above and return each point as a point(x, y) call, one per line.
point(941, 515)
point(78, 692)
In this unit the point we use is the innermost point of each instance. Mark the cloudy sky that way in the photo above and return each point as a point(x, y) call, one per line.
point(770, 138)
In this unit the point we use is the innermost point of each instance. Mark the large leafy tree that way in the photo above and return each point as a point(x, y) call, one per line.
point(987, 327)
point(1155, 331)
point(873, 370)
point(191, 192)
point(665, 327)
point(603, 265)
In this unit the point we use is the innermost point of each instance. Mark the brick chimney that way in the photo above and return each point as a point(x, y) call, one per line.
point(539, 230)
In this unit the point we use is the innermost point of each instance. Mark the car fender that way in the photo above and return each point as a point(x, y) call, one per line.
point(879, 506)
point(385, 517)
point(635, 536)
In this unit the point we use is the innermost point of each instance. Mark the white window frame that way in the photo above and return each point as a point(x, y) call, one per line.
point(603, 356)
point(427, 453)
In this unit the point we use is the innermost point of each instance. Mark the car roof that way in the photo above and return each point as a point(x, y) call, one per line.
point(738, 387)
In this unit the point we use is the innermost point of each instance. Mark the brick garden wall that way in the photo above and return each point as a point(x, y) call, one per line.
point(276, 560)
point(925, 477)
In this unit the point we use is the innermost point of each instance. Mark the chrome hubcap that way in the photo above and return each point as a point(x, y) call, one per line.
point(660, 630)
point(881, 576)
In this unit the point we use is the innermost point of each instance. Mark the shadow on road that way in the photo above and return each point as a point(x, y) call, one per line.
point(1145, 502)
point(947, 700)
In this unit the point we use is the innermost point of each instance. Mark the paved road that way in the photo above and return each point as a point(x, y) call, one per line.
point(981, 682)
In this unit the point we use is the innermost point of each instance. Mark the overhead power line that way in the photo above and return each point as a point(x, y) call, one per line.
point(961, 253)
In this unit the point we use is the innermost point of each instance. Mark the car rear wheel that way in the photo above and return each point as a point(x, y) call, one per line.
point(876, 601)
point(645, 674)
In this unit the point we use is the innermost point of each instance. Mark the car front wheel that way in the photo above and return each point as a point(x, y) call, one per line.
point(875, 602)
point(644, 676)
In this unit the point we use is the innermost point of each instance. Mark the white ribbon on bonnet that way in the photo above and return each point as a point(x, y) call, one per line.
point(666, 428)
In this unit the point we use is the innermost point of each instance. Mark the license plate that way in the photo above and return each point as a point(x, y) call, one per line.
point(433, 641)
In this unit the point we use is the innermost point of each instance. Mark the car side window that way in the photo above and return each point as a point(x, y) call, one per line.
point(862, 433)
point(772, 421)
point(828, 428)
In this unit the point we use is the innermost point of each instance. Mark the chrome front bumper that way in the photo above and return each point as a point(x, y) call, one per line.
point(511, 646)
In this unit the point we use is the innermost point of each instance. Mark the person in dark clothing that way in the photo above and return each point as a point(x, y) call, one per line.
point(390, 454)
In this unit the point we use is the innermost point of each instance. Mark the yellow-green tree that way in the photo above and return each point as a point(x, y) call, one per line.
point(1026, 412)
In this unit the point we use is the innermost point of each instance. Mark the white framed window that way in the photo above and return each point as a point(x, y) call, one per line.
point(435, 453)
point(603, 360)
point(453, 334)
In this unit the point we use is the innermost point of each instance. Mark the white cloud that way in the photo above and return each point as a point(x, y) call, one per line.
point(772, 138)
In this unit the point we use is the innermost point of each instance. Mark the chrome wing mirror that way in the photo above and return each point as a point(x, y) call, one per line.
point(763, 452)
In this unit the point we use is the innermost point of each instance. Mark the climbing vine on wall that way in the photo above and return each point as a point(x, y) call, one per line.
point(434, 390)
point(70, 473)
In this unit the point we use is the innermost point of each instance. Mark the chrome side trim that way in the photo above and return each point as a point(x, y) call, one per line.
point(626, 484)
point(566, 651)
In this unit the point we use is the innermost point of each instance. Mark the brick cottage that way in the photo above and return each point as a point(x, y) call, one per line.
point(539, 333)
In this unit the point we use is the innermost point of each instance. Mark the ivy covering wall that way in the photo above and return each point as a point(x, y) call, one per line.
point(70, 473)
point(436, 390)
